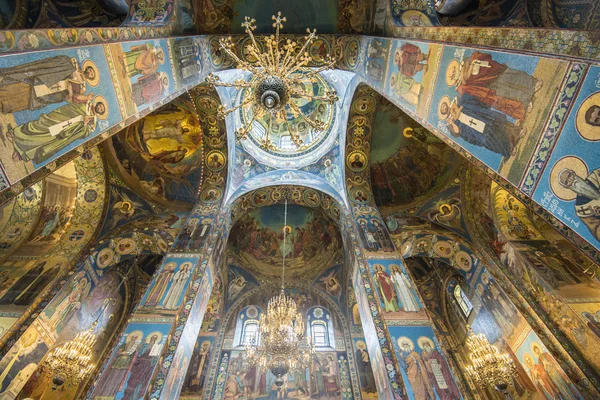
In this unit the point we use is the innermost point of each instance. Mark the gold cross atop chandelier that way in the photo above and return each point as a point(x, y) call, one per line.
point(282, 346)
point(489, 365)
point(279, 75)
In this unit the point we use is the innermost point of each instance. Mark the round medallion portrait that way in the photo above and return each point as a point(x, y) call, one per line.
point(356, 161)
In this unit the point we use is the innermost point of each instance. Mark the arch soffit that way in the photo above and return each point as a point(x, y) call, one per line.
point(451, 251)
point(276, 193)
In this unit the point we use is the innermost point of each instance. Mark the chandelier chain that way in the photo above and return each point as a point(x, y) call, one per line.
point(284, 246)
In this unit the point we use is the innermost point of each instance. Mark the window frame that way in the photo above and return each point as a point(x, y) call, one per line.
point(463, 301)
point(325, 332)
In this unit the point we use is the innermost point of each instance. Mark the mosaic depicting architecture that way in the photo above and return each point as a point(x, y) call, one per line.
point(419, 180)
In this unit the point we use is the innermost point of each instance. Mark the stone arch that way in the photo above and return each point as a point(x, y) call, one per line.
point(466, 261)
point(304, 195)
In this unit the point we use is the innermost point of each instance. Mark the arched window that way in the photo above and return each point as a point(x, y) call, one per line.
point(319, 334)
point(247, 329)
point(463, 301)
point(250, 333)
point(320, 328)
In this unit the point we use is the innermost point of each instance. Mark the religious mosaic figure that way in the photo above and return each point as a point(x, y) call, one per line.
point(178, 283)
point(141, 369)
point(405, 87)
point(200, 360)
point(36, 84)
point(113, 378)
point(478, 124)
point(149, 88)
point(142, 59)
point(404, 290)
point(365, 371)
point(317, 384)
point(556, 375)
point(438, 370)
point(540, 378)
point(416, 370)
point(41, 138)
point(500, 87)
point(330, 376)
point(587, 202)
point(300, 380)
point(385, 285)
point(383, 237)
point(367, 236)
point(410, 60)
point(160, 286)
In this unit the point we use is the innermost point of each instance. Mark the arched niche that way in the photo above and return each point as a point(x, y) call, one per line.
point(161, 157)
point(226, 356)
point(435, 261)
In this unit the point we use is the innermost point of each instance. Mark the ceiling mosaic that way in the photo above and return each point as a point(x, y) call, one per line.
point(313, 242)
point(408, 164)
point(280, 151)
point(280, 129)
point(160, 157)
point(327, 16)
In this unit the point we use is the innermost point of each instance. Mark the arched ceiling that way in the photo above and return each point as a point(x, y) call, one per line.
point(408, 164)
point(313, 242)
point(160, 157)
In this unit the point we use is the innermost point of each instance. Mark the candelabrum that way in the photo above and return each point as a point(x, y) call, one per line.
point(488, 366)
point(279, 76)
point(283, 346)
point(73, 359)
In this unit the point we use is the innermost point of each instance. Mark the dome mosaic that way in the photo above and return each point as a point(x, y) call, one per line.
point(285, 125)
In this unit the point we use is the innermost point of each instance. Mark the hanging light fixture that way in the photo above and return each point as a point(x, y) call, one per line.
point(278, 78)
point(72, 360)
point(282, 346)
point(488, 365)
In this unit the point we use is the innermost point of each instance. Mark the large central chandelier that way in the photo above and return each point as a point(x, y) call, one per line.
point(488, 365)
point(279, 77)
point(282, 346)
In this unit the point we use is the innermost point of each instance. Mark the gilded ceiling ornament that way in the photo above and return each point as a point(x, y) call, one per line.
point(280, 86)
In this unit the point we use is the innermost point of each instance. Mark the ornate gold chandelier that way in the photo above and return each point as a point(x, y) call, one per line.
point(282, 346)
point(489, 365)
point(278, 77)
point(73, 360)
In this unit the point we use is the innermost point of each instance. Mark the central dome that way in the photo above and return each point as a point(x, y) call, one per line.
point(281, 121)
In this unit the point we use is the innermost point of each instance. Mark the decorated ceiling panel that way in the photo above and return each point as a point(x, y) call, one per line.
point(161, 156)
point(407, 162)
point(328, 16)
point(313, 242)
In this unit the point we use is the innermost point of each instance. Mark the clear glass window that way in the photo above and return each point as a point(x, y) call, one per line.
point(250, 333)
point(463, 301)
point(320, 336)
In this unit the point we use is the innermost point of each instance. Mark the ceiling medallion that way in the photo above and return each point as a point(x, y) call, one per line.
point(278, 86)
